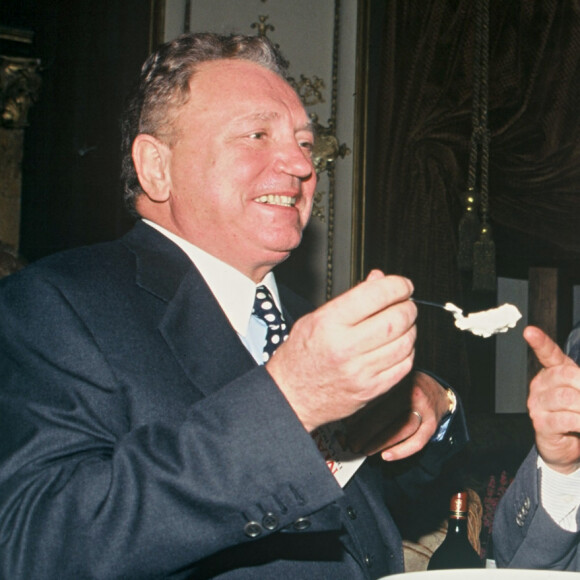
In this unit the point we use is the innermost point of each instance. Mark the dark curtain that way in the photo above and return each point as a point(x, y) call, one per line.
point(418, 171)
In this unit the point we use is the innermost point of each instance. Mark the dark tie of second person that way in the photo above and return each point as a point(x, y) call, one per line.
point(265, 309)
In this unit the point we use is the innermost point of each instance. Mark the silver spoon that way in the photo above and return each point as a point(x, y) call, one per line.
point(448, 306)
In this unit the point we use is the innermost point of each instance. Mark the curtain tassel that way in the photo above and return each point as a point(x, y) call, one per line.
point(484, 274)
point(467, 231)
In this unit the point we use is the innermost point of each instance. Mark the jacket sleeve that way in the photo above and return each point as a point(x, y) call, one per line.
point(86, 491)
point(524, 535)
point(573, 344)
point(410, 477)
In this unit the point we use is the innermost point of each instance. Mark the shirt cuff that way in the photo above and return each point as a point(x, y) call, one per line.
point(442, 430)
point(440, 434)
point(560, 495)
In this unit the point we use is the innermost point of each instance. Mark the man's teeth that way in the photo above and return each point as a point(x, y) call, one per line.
point(284, 200)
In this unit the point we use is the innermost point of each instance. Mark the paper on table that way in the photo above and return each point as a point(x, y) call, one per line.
point(341, 461)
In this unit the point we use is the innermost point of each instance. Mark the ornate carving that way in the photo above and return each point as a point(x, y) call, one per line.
point(308, 89)
point(326, 147)
point(19, 86)
point(318, 206)
point(10, 261)
point(262, 26)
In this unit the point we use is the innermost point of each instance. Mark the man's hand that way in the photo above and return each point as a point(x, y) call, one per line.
point(402, 421)
point(554, 403)
point(349, 351)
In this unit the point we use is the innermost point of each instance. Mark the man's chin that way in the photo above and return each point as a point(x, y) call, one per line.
point(283, 257)
point(287, 246)
point(276, 250)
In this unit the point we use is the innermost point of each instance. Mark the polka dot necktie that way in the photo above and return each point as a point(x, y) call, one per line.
point(265, 309)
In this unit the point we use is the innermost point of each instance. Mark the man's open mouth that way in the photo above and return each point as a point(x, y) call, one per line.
point(283, 200)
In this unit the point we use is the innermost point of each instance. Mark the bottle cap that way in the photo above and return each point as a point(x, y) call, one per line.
point(458, 505)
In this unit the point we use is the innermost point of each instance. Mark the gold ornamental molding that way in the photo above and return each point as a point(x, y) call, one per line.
point(327, 148)
point(332, 153)
point(19, 87)
point(261, 26)
point(309, 89)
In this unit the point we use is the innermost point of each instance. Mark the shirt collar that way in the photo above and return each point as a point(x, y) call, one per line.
point(234, 291)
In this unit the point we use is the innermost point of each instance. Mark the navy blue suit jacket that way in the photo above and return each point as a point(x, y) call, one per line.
point(139, 439)
point(524, 534)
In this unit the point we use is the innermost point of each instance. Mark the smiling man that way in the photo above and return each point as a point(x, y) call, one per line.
point(142, 435)
point(237, 180)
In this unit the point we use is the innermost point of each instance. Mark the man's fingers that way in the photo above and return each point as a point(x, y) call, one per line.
point(554, 403)
point(409, 446)
point(373, 295)
point(555, 390)
point(394, 434)
point(548, 353)
point(375, 275)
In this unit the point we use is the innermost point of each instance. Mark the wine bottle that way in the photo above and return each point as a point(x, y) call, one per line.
point(456, 551)
point(489, 557)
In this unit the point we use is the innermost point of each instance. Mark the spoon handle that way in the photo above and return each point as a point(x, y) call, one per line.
point(428, 303)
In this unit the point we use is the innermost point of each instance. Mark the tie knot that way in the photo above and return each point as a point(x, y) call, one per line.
point(264, 306)
point(265, 309)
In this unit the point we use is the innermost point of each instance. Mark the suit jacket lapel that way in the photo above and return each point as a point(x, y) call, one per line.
point(193, 324)
point(201, 337)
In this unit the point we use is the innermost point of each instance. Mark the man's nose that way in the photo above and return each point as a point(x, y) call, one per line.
point(294, 160)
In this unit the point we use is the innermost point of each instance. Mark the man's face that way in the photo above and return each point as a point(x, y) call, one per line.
point(241, 174)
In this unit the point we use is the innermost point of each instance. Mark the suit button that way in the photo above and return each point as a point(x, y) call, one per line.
point(252, 529)
point(351, 512)
point(527, 504)
point(519, 521)
point(302, 524)
point(270, 521)
point(368, 560)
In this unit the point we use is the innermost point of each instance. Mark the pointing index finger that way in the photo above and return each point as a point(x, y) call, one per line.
point(546, 350)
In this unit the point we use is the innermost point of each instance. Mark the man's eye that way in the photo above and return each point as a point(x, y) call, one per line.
point(258, 135)
point(308, 146)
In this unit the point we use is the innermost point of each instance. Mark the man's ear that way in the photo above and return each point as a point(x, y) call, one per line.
point(151, 159)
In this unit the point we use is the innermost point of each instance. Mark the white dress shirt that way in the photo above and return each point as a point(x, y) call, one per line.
point(234, 292)
point(560, 495)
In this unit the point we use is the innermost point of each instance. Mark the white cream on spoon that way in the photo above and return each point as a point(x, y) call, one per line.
point(486, 322)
